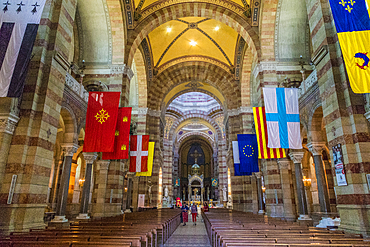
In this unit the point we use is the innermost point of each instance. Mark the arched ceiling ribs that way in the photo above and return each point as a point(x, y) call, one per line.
point(199, 118)
point(218, 10)
point(207, 73)
point(186, 137)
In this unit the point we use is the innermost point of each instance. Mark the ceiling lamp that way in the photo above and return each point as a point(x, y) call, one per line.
point(193, 43)
point(217, 28)
point(169, 29)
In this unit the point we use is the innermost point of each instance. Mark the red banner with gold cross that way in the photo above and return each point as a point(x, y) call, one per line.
point(101, 120)
point(122, 134)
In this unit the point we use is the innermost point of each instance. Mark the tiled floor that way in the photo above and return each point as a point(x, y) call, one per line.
point(189, 235)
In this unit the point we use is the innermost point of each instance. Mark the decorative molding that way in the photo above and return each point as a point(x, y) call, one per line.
point(76, 87)
point(239, 54)
point(8, 123)
point(69, 148)
point(129, 14)
point(158, 5)
point(142, 111)
point(197, 58)
point(320, 55)
point(236, 112)
point(109, 28)
point(145, 44)
point(194, 85)
point(316, 148)
point(102, 164)
point(296, 157)
point(90, 157)
point(308, 83)
point(284, 164)
point(128, 71)
point(255, 13)
point(154, 113)
point(61, 60)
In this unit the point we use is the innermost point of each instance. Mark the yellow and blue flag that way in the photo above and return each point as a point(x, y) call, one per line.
point(352, 20)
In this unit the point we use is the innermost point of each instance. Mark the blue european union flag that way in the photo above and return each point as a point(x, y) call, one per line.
point(350, 15)
point(248, 155)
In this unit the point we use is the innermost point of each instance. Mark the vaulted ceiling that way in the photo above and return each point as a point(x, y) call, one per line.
point(193, 37)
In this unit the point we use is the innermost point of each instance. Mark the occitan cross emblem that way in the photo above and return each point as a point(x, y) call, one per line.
point(101, 116)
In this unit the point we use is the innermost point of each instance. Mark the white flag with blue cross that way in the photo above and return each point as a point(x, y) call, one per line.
point(282, 117)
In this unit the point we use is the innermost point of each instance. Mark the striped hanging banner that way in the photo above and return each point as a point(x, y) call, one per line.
point(264, 152)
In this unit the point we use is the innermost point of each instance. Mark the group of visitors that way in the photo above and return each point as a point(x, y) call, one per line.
point(194, 211)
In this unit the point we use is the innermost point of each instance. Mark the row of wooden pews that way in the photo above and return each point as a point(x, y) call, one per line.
point(140, 229)
point(228, 228)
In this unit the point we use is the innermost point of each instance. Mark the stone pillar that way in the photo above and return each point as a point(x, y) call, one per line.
point(129, 189)
point(261, 205)
point(89, 158)
point(98, 208)
point(296, 157)
point(135, 194)
point(322, 186)
point(286, 186)
point(69, 150)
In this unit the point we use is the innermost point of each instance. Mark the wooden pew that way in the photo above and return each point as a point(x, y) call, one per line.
point(227, 228)
point(140, 229)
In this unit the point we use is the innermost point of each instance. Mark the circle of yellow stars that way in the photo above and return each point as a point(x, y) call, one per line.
point(250, 149)
point(101, 116)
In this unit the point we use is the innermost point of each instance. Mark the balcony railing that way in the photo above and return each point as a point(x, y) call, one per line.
point(76, 87)
point(306, 84)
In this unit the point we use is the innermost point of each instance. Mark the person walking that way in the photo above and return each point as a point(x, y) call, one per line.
point(184, 212)
point(194, 212)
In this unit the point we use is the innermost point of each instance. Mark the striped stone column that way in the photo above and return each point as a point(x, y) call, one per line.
point(8, 121)
point(100, 188)
point(31, 149)
point(114, 189)
point(287, 189)
point(69, 150)
point(85, 198)
point(273, 192)
point(322, 186)
point(296, 157)
point(261, 204)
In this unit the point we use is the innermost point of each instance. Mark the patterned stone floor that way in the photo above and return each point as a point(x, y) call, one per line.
point(189, 235)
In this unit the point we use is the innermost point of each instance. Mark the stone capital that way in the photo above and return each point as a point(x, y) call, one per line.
point(316, 148)
point(103, 164)
point(258, 174)
point(90, 157)
point(284, 164)
point(296, 156)
point(8, 123)
point(69, 148)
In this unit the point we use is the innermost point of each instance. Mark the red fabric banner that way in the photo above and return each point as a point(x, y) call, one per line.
point(122, 134)
point(139, 153)
point(101, 120)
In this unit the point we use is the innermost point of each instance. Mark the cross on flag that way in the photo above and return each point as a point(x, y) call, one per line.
point(139, 153)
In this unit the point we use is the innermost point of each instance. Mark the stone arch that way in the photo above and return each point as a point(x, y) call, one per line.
point(317, 131)
point(177, 123)
point(222, 80)
point(233, 18)
point(70, 125)
point(182, 138)
point(192, 90)
point(141, 78)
